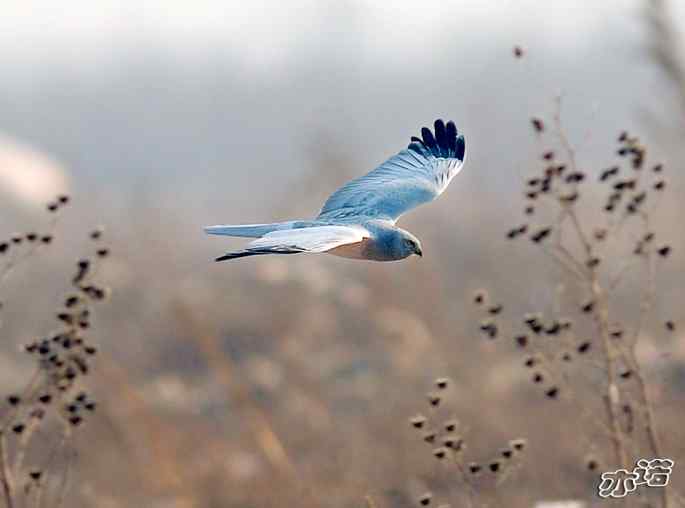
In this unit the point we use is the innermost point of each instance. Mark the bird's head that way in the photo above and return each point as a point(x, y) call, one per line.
point(410, 244)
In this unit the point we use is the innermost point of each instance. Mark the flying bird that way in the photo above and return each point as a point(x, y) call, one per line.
point(358, 220)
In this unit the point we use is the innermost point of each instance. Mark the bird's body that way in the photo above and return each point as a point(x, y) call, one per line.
point(358, 220)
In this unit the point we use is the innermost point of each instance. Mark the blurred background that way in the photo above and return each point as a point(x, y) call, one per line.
point(288, 382)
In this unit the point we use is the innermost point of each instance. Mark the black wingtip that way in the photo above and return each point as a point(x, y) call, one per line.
point(441, 138)
point(446, 143)
point(236, 255)
point(460, 149)
point(428, 138)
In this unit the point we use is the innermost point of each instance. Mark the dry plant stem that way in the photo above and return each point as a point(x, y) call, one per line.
point(602, 318)
point(646, 303)
point(64, 484)
point(5, 477)
point(471, 493)
point(601, 313)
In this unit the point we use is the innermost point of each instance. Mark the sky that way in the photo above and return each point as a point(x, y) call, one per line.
point(168, 95)
point(266, 33)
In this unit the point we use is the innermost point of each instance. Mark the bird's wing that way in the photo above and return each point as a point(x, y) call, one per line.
point(295, 241)
point(416, 175)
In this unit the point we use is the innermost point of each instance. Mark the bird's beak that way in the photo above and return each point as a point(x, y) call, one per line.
point(419, 252)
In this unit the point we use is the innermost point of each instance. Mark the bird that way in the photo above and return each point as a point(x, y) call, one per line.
point(358, 221)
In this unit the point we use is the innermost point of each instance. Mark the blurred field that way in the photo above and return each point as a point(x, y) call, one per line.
point(289, 382)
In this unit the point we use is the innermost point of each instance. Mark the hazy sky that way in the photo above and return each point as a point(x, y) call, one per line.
point(194, 90)
point(265, 33)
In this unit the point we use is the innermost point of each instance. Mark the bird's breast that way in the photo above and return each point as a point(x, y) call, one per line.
point(367, 249)
point(358, 250)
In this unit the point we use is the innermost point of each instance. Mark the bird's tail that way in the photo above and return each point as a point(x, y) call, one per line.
point(248, 230)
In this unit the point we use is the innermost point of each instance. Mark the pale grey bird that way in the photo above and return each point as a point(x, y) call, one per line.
point(358, 220)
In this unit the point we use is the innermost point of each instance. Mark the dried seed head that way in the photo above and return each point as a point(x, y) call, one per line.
point(658, 168)
point(442, 383)
point(531, 318)
point(608, 173)
point(418, 421)
point(541, 234)
point(552, 393)
point(507, 453)
point(453, 442)
point(35, 474)
point(583, 347)
point(480, 296)
point(626, 374)
point(670, 326)
point(52, 207)
point(521, 340)
point(664, 251)
point(531, 361)
point(14, 400)
point(494, 466)
point(538, 378)
point(518, 444)
point(588, 306)
point(593, 262)
point(554, 328)
point(429, 437)
point(575, 177)
point(495, 309)
point(474, 468)
point(433, 399)
point(97, 233)
point(63, 199)
point(537, 124)
point(489, 327)
point(451, 425)
point(518, 51)
point(616, 332)
point(548, 156)
point(592, 464)
point(71, 301)
point(46, 239)
point(440, 453)
point(426, 499)
point(529, 210)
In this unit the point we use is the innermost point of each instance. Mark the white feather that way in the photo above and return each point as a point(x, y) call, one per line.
point(315, 239)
